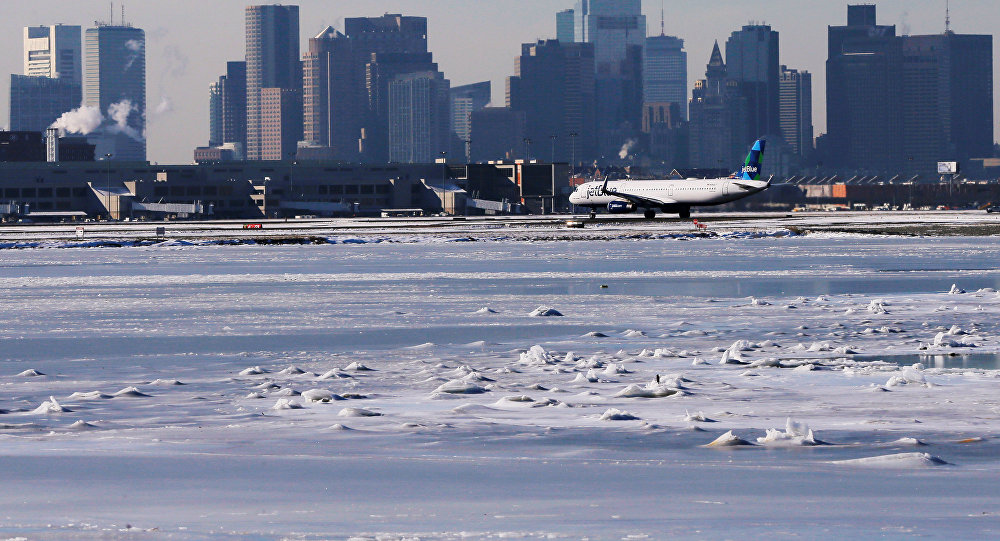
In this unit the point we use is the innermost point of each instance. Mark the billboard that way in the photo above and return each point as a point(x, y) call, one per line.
point(947, 168)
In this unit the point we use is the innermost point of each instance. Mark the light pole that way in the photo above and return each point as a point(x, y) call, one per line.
point(552, 138)
point(444, 177)
point(572, 166)
point(107, 197)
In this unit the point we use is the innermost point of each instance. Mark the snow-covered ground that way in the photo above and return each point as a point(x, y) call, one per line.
point(817, 386)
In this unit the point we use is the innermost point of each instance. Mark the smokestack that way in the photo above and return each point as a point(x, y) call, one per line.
point(52, 145)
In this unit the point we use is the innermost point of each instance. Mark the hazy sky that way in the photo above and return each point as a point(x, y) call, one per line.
point(189, 41)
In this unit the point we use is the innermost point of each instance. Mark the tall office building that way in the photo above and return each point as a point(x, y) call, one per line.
point(466, 100)
point(280, 123)
point(272, 61)
point(617, 30)
point(332, 86)
point(385, 47)
point(664, 73)
point(554, 87)
point(215, 115)
point(53, 51)
point(864, 94)
point(796, 110)
point(51, 83)
point(752, 61)
point(497, 134)
point(565, 26)
point(947, 106)
point(719, 134)
point(233, 93)
point(900, 104)
point(115, 83)
point(346, 82)
point(418, 117)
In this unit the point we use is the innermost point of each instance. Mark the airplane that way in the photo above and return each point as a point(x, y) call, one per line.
point(624, 196)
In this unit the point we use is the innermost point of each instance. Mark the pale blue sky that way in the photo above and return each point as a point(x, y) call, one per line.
point(189, 41)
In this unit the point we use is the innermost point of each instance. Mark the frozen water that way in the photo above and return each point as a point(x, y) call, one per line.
point(498, 424)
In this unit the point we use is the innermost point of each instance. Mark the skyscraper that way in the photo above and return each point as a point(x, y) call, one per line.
point(272, 57)
point(51, 84)
point(115, 84)
point(418, 117)
point(752, 61)
point(565, 26)
point(796, 110)
point(384, 48)
point(333, 88)
point(554, 87)
point(664, 72)
point(215, 115)
point(53, 51)
point(466, 100)
point(719, 134)
point(617, 29)
point(233, 90)
point(864, 94)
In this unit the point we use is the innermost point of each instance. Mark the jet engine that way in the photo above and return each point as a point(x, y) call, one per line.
point(620, 207)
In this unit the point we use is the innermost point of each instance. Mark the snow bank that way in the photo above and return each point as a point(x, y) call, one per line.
point(253, 371)
point(358, 367)
point(130, 392)
point(92, 395)
point(30, 373)
point(898, 460)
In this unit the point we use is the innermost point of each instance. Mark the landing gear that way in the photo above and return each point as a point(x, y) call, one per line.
point(685, 213)
point(593, 214)
point(649, 214)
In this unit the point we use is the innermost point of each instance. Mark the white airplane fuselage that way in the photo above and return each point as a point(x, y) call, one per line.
point(669, 193)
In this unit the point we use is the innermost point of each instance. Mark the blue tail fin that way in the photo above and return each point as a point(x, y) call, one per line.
point(751, 168)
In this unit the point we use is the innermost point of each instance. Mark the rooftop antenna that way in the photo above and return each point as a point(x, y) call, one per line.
point(947, 16)
point(123, 14)
point(111, 14)
point(662, 20)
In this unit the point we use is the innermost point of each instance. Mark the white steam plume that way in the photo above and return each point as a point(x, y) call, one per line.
point(623, 153)
point(82, 120)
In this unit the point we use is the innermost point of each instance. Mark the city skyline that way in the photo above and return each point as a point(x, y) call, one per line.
point(182, 64)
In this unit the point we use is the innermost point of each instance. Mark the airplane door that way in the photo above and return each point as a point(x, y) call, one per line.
point(725, 187)
point(670, 190)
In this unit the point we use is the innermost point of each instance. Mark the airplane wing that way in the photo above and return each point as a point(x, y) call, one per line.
point(638, 200)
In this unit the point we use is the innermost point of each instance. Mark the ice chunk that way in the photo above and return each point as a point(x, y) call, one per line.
point(286, 404)
point(91, 395)
point(650, 390)
point(795, 434)
point(358, 412)
point(320, 395)
point(485, 310)
point(166, 382)
point(618, 415)
point(728, 440)
point(545, 311)
point(955, 290)
point(536, 355)
point(697, 417)
point(357, 367)
point(292, 371)
point(877, 306)
point(898, 460)
point(31, 373)
point(253, 371)
point(336, 373)
point(82, 425)
point(458, 386)
point(131, 392)
point(50, 406)
point(754, 301)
